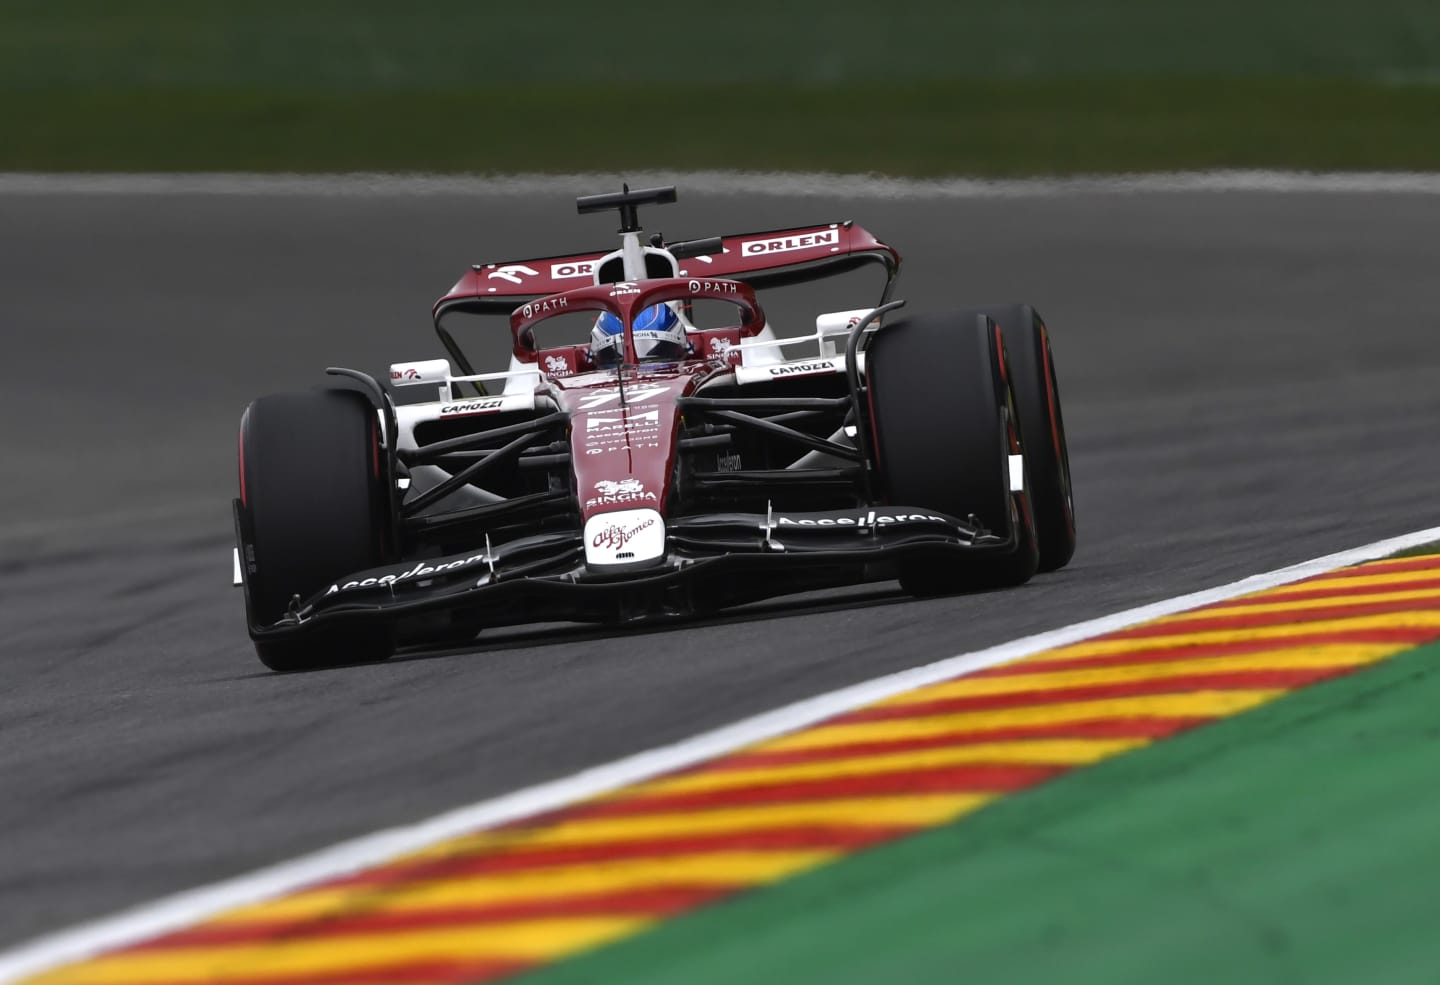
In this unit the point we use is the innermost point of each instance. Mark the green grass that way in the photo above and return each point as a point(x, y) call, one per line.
point(1295, 843)
point(1420, 550)
point(462, 44)
point(961, 127)
point(1027, 87)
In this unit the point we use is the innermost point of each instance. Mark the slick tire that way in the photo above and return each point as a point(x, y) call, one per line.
point(943, 441)
point(1042, 428)
point(311, 487)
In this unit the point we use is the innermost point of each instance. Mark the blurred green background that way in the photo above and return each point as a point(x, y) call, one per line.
point(1021, 87)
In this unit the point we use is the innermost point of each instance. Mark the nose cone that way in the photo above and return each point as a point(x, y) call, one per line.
point(624, 537)
point(623, 452)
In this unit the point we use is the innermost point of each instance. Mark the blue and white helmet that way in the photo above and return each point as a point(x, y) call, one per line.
point(658, 331)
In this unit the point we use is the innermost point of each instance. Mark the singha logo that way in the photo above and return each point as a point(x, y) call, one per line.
point(556, 365)
point(721, 347)
point(613, 492)
point(606, 487)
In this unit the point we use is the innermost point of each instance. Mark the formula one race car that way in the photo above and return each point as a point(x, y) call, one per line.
point(677, 457)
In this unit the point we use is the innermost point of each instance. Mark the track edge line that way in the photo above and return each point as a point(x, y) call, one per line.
point(146, 920)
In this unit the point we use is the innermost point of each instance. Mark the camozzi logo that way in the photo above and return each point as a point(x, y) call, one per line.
point(788, 244)
point(614, 492)
point(800, 369)
point(467, 407)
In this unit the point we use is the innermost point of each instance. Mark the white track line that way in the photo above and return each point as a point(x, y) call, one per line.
point(751, 183)
point(173, 912)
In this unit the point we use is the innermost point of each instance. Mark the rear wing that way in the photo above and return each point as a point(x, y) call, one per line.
point(763, 259)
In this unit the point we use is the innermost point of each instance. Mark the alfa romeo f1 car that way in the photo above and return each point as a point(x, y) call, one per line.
point(926, 448)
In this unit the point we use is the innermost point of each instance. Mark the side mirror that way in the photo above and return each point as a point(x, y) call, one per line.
point(837, 324)
point(434, 372)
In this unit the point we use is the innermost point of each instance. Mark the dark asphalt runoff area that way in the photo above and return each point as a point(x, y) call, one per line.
point(1249, 380)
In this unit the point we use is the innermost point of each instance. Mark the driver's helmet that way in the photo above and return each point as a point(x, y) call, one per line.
point(658, 331)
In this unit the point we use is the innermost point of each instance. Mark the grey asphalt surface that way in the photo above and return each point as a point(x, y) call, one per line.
point(1249, 381)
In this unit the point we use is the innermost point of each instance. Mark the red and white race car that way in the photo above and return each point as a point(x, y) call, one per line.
point(624, 481)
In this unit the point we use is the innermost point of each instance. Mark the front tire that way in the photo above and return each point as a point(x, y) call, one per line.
point(1042, 428)
point(945, 426)
point(313, 490)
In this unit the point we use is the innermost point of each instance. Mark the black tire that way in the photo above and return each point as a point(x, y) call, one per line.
point(1042, 428)
point(312, 487)
point(943, 439)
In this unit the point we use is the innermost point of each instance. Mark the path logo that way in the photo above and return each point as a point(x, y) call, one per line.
point(542, 307)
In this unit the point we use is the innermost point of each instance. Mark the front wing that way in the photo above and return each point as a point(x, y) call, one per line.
point(711, 562)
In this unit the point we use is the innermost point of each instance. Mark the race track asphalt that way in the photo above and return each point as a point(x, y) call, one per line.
point(1249, 381)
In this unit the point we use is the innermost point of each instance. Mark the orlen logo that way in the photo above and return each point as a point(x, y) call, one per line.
point(422, 371)
point(564, 271)
point(515, 273)
point(787, 244)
